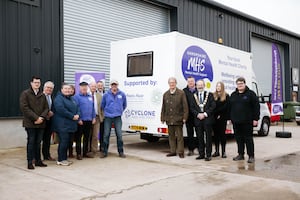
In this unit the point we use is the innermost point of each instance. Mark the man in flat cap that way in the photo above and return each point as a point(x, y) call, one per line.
point(113, 103)
point(87, 117)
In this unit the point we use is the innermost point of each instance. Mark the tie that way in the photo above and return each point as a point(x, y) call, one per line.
point(49, 101)
point(200, 98)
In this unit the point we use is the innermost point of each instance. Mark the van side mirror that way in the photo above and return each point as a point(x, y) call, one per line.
point(262, 98)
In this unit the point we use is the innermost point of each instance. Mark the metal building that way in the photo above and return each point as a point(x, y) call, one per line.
point(55, 38)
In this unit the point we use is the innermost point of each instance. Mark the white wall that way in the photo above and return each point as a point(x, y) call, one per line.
point(12, 134)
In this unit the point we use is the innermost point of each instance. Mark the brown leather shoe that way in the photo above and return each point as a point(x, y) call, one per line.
point(88, 155)
point(103, 155)
point(50, 159)
point(79, 157)
point(181, 155)
point(171, 154)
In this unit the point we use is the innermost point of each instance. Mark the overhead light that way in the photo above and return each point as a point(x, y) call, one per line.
point(220, 40)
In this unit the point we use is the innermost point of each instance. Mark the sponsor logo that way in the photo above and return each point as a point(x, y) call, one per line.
point(139, 113)
point(277, 109)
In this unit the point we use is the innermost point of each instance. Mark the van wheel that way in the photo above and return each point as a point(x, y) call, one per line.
point(298, 123)
point(265, 127)
point(152, 139)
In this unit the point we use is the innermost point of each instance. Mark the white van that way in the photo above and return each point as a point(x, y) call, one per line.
point(143, 66)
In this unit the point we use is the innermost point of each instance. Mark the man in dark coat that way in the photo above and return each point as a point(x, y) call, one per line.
point(244, 114)
point(34, 107)
point(189, 91)
point(48, 89)
point(202, 107)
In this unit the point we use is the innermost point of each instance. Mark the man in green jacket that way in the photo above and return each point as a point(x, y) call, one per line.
point(175, 112)
point(34, 107)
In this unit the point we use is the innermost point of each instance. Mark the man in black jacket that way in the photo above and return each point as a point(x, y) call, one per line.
point(244, 114)
point(189, 91)
point(48, 89)
point(202, 107)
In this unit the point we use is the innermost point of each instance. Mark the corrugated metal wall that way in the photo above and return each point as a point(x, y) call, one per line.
point(30, 45)
point(90, 26)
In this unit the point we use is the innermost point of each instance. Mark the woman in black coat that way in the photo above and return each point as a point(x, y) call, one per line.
point(221, 116)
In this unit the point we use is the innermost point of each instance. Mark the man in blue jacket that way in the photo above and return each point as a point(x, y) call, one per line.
point(113, 103)
point(86, 119)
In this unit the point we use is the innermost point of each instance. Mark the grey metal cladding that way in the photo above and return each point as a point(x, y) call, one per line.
point(30, 45)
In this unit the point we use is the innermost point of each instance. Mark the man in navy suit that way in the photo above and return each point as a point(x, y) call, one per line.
point(202, 107)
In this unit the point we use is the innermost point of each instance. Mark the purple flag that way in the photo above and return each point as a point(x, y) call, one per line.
point(88, 77)
point(277, 100)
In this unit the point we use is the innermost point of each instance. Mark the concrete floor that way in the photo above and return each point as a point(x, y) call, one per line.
point(147, 173)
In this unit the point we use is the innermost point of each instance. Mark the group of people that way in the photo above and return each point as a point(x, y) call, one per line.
point(82, 116)
point(73, 117)
point(206, 114)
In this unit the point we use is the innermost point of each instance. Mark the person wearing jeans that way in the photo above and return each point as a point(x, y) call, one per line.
point(65, 121)
point(113, 104)
point(34, 107)
point(117, 121)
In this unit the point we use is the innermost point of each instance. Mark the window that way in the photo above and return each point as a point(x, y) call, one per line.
point(140, 64)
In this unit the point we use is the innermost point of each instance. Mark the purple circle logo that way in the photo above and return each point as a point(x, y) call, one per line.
point(196, 63)
point(277, 109)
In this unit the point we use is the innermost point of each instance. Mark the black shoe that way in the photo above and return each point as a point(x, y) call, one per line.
point(200, 157)
point(30, 166)
point(239, 157)
point(79, 157)
point(40, 164)
point(171, 154)
point(122, 155)
point(224, 155)
point(251, 159)
point(208, 159)
point(190, 153)
point(216, 154)
point(181, 155)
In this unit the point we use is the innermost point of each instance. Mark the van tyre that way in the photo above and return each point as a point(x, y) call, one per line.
point(264, 127)
point(283, 134)
point(298, 123)
point(152, 139)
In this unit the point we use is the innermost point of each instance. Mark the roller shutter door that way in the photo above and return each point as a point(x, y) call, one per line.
point(262, 63)
point(90, 26)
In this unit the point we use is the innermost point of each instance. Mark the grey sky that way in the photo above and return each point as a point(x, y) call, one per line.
point(283, 13)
